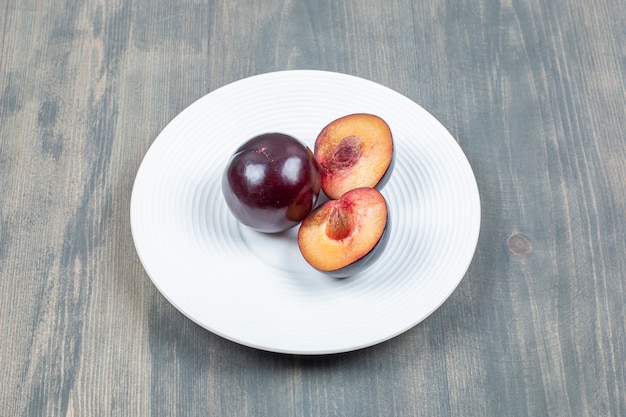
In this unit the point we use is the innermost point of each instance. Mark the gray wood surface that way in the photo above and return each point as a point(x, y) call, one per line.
point(535, 93)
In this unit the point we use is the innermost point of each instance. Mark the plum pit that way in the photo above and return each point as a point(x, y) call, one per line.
point(346, 153)
point(340, 223)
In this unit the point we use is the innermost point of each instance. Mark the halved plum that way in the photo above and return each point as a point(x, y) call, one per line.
point(344, 236)
point(354, 151)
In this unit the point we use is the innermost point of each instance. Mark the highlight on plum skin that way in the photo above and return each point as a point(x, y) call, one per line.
point(271, 182)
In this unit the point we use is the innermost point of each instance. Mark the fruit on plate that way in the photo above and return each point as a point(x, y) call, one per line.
point(354, 151)
point(271, 182)
point(344, 236)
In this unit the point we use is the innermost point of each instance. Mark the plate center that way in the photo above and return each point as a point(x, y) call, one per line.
point(279, 250)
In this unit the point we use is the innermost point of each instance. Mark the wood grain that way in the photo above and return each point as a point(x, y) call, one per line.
point(533, 91)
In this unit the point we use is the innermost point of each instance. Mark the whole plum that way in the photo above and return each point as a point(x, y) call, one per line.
point(271, 182)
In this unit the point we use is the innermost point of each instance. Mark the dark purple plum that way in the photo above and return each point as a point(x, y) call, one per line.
point(271, 182)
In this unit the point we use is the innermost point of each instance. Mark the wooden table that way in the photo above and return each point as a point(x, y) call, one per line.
point(533, 91)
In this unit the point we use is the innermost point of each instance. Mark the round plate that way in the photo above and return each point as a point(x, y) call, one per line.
point(256, 289)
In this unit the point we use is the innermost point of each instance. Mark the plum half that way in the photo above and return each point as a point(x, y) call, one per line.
point(344, 236)
point(271, 182)
point(354, 151)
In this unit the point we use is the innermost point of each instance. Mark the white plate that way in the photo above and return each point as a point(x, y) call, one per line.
point(256, 289)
